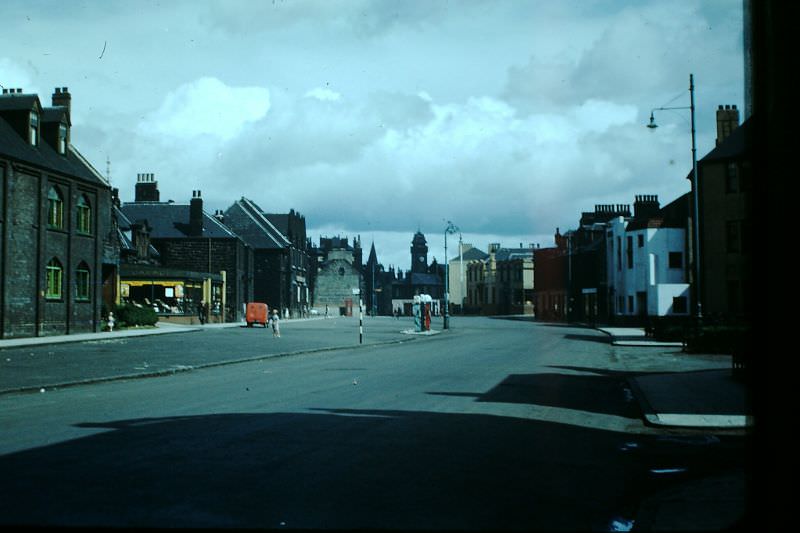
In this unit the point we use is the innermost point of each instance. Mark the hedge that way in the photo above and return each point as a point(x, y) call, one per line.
point(131, 315)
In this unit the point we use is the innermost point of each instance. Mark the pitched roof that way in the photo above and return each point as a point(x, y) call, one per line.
point(737, 144)
point(249, 222)
point(509, 254)
point(672, 215)
point(171, 221)
point(471, 255)
point(44, 156)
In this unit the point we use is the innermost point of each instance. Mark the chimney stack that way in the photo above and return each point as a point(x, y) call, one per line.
point(727, 121)
point(645, 206)
point(146, 188)
point(61, 97)
point(196, 215)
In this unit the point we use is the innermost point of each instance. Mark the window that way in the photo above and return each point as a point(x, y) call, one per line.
point(34, 132)
point(675, 260)
point(55, 209)
point(679, 305)
point(733, 236)
point(82, 285)
point(732, 178)
point(629, 252)
point(62, 139)
point(630, 304)
point(640, 241)
point(84, 215)
point(55, 276)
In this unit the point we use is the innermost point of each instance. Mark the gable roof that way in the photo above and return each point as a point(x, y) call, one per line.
point(171, 221)
point(672, 215)
point(44, 156)
point(471, 255)
point(249, 222)
point(735, 145)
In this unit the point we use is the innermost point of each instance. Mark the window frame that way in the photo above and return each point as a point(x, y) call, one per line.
point(54, 280)
point(55, 208)
point(83, 283)
point(83, 209)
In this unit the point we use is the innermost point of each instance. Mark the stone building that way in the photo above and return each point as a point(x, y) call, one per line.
point(191, 241)
point(339, 282)
point(56, 249)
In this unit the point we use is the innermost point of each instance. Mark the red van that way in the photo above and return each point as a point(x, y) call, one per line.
point(257, 313)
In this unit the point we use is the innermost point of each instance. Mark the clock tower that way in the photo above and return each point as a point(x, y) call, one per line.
point(419, 254)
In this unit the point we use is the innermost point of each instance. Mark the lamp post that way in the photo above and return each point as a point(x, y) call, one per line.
point(696, 222)
point(451, 228)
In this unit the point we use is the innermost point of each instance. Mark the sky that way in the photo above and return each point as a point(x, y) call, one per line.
point(379, 118)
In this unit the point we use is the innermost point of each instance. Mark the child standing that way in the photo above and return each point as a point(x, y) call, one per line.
point(276, 328)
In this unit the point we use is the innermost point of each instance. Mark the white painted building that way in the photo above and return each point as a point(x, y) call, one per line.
point(647, 260)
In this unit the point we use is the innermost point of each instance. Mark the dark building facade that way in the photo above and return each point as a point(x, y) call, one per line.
point(56, 248)
point(188, 239)
point(280, 255)
point(725, 181)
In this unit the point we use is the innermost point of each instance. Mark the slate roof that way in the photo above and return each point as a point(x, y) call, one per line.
point(171, 221)
point(672, 215)
point(472, 254)
point(510, 254)
point(14, 146)
point(737, 144)
point(251, 224)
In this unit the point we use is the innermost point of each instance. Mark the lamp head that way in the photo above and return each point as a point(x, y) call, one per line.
point(652, 124)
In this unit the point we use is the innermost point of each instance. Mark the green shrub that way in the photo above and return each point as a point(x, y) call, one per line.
point(131, 315)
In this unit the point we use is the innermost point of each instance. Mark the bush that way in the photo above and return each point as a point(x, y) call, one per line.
point(132, 315)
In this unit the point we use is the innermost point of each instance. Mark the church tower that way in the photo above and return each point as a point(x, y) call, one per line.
point(419, 254)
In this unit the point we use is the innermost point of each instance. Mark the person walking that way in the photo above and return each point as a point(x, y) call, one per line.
point(276, 327)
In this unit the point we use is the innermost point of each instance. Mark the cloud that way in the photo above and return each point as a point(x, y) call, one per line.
point(209, 107)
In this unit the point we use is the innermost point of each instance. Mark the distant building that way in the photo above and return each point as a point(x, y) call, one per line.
point(420, 279)
point(457, 276)
point(58, 255)
point(339, 284)
point(502, 283)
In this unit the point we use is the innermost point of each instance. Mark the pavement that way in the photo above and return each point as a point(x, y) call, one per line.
point(710, 399)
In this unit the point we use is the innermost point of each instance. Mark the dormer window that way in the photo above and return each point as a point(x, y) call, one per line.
point(62, 139)
point(34, 132)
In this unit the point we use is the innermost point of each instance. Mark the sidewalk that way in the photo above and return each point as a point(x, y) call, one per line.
point(709, 398)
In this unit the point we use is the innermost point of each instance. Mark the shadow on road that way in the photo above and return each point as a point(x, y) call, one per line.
point(597, 393)
point(332, 469)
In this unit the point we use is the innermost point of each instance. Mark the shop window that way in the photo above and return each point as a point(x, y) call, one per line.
point(82, 283)
point(55, 208)
point(55, 277)
point(84, 215)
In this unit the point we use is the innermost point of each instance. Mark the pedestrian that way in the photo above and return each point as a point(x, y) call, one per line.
point(276, 328)
point(201, 312)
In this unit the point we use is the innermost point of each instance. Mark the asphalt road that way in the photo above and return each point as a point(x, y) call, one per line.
point(492, 425)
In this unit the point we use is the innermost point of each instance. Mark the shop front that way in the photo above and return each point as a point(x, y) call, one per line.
point(175, 295)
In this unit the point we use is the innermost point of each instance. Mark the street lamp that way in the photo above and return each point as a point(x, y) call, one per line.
point(451, 229)
point(696, 223)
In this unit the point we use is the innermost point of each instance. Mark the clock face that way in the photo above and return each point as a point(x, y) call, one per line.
point(421, 259)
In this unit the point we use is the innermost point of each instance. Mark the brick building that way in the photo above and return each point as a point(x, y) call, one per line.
point(190, 240)
point(56, 248)
point(280, 254)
